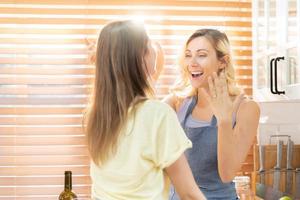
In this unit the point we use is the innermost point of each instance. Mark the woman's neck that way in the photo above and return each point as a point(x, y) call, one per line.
point(202, 102)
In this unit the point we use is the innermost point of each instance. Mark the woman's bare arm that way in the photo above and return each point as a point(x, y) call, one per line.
point(182, 178)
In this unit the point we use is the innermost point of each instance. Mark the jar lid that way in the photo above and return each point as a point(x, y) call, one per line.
point(243, 179)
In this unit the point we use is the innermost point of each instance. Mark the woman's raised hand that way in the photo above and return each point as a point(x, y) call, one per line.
point(160, 60)
point(219, 99)
point(91, 48)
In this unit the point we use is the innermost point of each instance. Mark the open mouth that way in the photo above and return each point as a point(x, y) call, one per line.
point(196, 74)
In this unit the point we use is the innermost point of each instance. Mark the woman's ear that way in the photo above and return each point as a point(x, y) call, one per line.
point(224, 62)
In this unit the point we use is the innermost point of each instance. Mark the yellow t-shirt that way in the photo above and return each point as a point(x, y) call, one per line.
point(152, 140)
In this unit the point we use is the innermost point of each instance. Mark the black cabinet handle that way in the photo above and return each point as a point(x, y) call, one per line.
point(274, 90)
point(271, 75)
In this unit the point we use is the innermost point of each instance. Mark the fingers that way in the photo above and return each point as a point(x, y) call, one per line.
point(157, 46)
point(87, 41)
point(160, 53)
point(223, 84)
point(160, 59)
point(91, 45)
point(218, 86)
point(211, 86)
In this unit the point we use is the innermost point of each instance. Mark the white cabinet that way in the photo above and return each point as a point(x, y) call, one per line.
point(276, 33)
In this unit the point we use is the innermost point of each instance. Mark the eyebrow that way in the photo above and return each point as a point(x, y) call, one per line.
point(198, 50)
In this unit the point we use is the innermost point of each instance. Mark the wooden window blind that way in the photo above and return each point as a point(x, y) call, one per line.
point(45, 79)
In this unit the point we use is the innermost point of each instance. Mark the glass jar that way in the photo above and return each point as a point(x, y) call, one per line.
point(242, 186)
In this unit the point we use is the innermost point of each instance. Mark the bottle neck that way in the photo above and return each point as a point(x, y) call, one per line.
point(68, 181)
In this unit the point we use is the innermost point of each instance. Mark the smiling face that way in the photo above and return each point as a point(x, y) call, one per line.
point(200, 60)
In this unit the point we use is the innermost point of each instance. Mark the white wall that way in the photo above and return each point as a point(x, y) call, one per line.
point(279, 118)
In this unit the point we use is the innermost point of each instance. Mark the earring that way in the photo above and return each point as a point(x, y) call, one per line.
point(221, 70)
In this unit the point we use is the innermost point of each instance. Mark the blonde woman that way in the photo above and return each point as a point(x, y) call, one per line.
point(216, 117)
point(136, 143)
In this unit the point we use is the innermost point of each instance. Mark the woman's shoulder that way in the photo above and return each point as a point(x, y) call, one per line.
point(248, 105)
point(249, 102)
point(154, 105)
point(174, 101)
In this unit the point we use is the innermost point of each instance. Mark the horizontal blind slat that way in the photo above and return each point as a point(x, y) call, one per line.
point(42, 140)
point(53, 70)
point(46, 90)
point(68, 52)
point(43, 101)
point(42, 190)
point(39, 130)
point(41, 111)
point(118, 3)
point(42, 161)
point(43, 180)
point(42, 150)
point(72, 42)
point(29, 20)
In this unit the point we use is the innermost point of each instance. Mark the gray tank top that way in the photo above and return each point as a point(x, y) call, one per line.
point(202, 157)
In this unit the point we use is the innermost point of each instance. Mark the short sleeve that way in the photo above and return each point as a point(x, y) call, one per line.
point(170, 142)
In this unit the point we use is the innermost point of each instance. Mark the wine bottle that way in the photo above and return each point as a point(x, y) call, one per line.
point(67, 194)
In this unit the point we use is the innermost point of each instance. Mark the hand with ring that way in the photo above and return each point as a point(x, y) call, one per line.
point(218, 97)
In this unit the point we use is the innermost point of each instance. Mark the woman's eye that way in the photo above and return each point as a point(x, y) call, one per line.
point(202, 55)
point(187, 55)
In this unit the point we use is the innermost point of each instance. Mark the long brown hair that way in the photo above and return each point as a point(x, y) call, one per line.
point(120, 83)
point(221, 45)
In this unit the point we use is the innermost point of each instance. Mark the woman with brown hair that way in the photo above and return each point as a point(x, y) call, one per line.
point(136, 143)
point(216, 117)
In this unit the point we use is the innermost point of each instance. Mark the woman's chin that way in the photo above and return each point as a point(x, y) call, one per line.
point(197, 84)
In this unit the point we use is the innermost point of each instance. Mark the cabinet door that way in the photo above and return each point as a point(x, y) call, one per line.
point(276, 33)
point(293, 50)
point(265, 47)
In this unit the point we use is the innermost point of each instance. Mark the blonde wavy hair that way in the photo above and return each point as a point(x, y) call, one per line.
point(221, 44)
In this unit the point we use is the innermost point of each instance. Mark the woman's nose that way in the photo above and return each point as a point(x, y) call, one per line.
point(193, 62)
